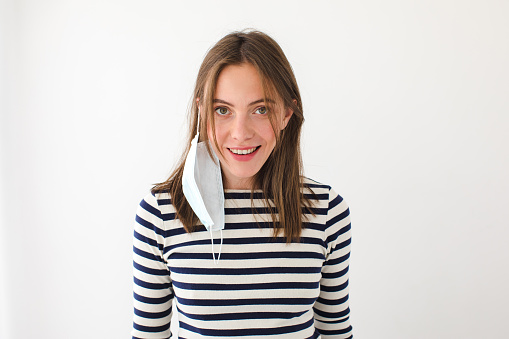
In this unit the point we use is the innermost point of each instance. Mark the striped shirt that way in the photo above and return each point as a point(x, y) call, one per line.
point(261, 286)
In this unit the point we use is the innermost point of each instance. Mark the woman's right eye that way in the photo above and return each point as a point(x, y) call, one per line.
point(222, 110)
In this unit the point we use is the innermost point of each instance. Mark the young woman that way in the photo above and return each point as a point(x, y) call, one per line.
point(245, 244)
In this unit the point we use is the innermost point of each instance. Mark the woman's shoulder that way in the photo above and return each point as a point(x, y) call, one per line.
point(323, 193)
point(157, 203)
point(331, 206)
point(317, 187)
point(314, 185)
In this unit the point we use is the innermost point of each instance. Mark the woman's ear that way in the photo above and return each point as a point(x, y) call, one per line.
point(288, 115)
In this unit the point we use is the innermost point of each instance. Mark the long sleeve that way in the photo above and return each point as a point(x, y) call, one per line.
point(152, 287)
point(332, 312)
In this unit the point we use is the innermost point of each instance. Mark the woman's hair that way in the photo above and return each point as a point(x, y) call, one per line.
point(281, 177)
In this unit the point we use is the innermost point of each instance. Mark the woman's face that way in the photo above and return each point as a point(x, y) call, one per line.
point(242, 126)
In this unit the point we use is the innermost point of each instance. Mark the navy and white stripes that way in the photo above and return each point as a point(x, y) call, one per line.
point(261, 287)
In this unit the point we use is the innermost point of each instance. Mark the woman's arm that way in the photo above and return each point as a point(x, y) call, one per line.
point(332, 312)
point(152, 288)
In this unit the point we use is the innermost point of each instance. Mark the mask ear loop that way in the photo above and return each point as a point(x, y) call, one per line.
point(198, 124)
point(220, 247)
point(216, 262)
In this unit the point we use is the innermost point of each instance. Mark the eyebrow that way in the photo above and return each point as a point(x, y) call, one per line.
point(250, 104)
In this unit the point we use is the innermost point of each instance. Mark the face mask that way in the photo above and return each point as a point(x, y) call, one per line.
point(203, 188)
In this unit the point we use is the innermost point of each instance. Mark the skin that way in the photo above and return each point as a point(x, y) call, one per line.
point(241, 124)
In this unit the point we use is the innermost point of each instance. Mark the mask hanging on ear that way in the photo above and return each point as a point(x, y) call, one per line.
point(203, 187)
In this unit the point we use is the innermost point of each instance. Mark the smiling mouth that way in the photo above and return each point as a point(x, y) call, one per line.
point(243, 151)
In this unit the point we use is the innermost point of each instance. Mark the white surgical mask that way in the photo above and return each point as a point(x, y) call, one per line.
point(203, 188)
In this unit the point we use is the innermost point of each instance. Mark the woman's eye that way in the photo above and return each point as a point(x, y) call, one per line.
point(261, 110)
point(222, 110)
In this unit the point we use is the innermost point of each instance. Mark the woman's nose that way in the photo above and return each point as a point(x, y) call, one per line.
point(242, 128)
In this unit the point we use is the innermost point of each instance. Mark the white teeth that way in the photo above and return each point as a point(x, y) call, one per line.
point(243, 151)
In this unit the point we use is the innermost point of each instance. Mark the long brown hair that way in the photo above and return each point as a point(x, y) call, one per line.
point(281, 177)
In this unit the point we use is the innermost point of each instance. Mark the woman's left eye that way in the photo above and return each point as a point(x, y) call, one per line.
point(261, 110)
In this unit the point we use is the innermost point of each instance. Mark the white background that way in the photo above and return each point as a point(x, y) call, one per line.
point(406, 106)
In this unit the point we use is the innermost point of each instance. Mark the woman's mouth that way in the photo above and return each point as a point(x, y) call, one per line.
point(245, 151)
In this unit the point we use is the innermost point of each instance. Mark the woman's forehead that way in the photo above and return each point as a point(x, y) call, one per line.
point(242, 85)
point(239, 84)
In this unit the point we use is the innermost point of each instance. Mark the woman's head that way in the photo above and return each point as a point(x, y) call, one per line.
point(249, 102)
point(246, 85)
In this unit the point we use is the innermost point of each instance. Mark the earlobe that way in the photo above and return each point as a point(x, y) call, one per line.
point(288, 115)
point(286, 119)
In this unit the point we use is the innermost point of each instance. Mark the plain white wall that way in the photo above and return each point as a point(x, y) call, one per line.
point(406, 106)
